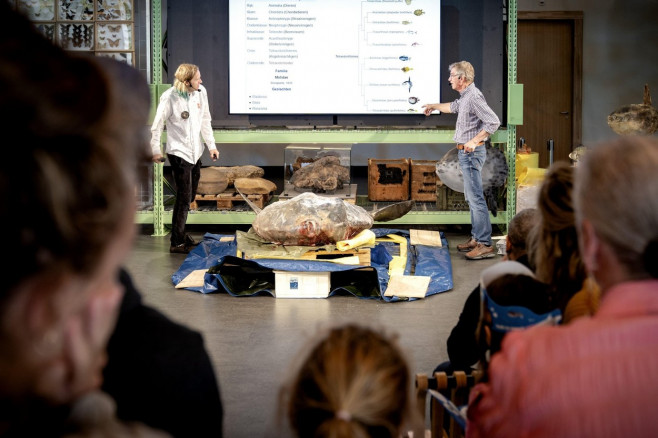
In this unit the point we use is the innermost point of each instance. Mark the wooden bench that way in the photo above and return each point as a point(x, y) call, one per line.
point(455, 388)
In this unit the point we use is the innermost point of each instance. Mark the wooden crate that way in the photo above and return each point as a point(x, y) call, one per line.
point(388, 180)
point(423, 180)
point(225, 200)
point(450, 200)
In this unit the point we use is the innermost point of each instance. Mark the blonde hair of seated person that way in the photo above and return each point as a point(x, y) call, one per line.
point(354, 382)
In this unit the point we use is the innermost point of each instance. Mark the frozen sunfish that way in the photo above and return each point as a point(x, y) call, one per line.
point(312, 220)
point(635, 119)
point(494, 174)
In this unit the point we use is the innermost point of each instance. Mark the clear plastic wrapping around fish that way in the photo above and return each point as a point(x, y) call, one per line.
point(311, 220)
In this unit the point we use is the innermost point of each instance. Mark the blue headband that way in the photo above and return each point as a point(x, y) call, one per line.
point(508, 318)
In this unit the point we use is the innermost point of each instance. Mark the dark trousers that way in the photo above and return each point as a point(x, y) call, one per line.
point(186, 178)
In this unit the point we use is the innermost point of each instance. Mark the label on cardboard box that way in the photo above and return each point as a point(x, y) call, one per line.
point(292, 284)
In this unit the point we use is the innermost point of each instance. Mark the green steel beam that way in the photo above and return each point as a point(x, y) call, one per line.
point(402, 136)
point(143, 217)
point(511, 126)
point(156, 64)
point(515, 104)
point(411, 218)
point(360, 135)
point(156, 35)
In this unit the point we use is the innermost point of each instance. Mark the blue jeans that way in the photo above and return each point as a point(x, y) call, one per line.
point(471, 165)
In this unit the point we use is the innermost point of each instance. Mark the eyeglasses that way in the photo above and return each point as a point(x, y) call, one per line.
point(452, 75)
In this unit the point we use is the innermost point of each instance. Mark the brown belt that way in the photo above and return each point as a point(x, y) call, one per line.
point(460, 146)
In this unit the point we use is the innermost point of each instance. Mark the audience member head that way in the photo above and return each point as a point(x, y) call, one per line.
point(616, 198)
point(67, 184)
point(553, 249)
point(511, 299)
point(354, 382)
point(519, 229)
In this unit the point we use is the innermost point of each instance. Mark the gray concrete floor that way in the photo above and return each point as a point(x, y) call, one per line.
point(253, 340)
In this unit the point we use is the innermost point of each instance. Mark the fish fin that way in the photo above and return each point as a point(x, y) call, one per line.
point(253, 206)
point(393, 211)
point(491, 195)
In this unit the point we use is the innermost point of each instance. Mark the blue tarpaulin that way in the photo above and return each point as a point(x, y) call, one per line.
point(239, 277)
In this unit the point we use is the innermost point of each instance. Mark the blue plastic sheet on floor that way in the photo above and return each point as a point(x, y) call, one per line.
point(240, 277)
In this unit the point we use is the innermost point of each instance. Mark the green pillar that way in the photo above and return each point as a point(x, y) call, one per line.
point(515, 98)
point(156, 32)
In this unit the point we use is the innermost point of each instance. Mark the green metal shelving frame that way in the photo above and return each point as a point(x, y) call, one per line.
point(160, 217)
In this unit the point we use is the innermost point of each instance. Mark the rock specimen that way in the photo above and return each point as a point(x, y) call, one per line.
point(323, 175)
point(234, 172)
point(212, 182)
point(254, 186)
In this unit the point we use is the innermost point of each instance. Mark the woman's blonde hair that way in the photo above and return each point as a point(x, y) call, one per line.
point(616, 190)
point(354, 382)
point(184, 74)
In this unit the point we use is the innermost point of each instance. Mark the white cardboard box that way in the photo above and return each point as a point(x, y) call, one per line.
point(288, 284)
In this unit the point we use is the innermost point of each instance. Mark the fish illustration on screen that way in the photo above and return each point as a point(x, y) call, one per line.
point(408, 82)
point(406, 69)
point(404, 58)
point(413, 100)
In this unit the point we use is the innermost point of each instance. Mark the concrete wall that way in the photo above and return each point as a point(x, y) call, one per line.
point(620, 55)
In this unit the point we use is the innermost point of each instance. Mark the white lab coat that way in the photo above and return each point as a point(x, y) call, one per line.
point(183, 135)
